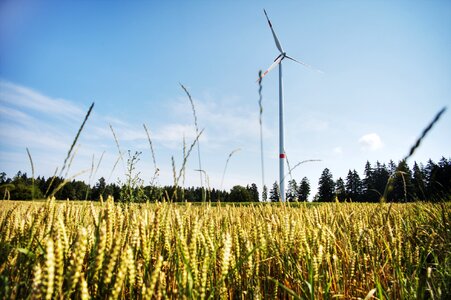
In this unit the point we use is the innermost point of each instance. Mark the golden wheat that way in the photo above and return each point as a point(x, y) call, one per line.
point(106, 250)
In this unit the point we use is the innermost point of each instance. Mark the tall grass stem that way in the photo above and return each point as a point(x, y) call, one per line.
point(76, 138)
point(226, 164)
point(197, 133)
point(32, 174)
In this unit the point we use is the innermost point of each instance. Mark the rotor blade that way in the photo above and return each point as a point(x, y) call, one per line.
point(304, 64)
point(274, 64)
point(273, 33)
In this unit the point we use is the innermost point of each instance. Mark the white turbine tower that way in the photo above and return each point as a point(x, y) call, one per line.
point(278, 61)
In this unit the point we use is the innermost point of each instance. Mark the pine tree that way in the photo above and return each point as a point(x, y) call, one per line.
point(354, 186)
point(292, 191)
point(443, 177)
point(391, 167)
point(326, 186)
point(368, 185)
point(431, 186)
point(402, 183)
point(303, 190)
point(340, 190)
point(253, 191)
point(381, 175)
point(274, 193)
point(264, 194)
point(439, 179)
point(419, 182)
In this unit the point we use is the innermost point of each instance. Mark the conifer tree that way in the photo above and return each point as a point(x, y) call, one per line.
point(303, 190)
point(274, 194)
point(340, 190)
point(326, 186)
point(292, 190)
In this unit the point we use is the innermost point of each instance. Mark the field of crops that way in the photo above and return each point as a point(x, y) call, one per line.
point(339, 250)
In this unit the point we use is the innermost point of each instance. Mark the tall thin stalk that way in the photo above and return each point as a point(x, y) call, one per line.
point(184, 171)
point(93, 172)
point(71, 148)
point(177, 176)
point(185, 158)
point(290, 170)
point(156, 170)
point(32, 174)
point(197, 133)
point(227, 162)
point(118, 148)
point(389, 185)
point(71, 160)
point(51, 183)
point(151, 147)
point(66, 180)
point(207, 182)
point(76, 137)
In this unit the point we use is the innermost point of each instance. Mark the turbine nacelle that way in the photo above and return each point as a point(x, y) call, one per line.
point(282, 54)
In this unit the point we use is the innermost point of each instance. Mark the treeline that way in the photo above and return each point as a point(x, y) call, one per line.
point(23, 187)
point(394, 182)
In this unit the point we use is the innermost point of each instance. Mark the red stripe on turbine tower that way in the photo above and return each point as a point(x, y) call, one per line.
point(278, 62)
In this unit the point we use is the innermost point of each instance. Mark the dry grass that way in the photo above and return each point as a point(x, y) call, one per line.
point(346, 251)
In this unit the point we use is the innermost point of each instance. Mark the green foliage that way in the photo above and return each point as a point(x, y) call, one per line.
point(274, 194)
point(240, 194)
point(291, 195)
point(265, 193)
point(340, 190)
point(326, 186)
point(354, 186)
point(132, 190)
point(253, 191)
point(403, 190)
point(431, 182)
point(303, 190)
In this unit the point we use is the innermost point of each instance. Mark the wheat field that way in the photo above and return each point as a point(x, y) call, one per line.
point(83, 250)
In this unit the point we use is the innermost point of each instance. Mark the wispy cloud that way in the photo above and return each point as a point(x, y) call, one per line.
point(43, 124)
point(47, 126)
point(15, 115)
point(27, 99)
point(172, 134)
point(371, 142)
point(17, 136)
point(224, 120)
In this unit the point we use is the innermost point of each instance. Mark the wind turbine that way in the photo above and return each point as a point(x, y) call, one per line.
point(278, 61)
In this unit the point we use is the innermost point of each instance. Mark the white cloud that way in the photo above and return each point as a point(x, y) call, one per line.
point(47, 126)
point(338, 150)
point(17, 136)
point(43, 124)
point(25, 98)
point(371, 142)
point(171, 135)
point(224, 121)
point(15, 115)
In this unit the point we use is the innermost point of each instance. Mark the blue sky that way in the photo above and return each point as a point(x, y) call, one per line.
point(386, 64)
